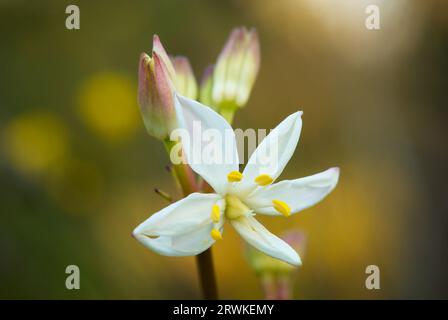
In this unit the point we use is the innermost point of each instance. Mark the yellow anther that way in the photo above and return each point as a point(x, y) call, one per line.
point(282, 207)
point(216, 235)
point(216, 213)
point(151, 236)
point(263, 180)
point(234, 176)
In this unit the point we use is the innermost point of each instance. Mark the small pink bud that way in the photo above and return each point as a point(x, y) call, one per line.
point(155, 92)
point(184, 81)
point(158, 48)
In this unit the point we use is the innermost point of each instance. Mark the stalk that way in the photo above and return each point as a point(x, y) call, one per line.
point(227, 109)
point(284, 290)
point(268, 287)
point(227, 114)
point(207, 276)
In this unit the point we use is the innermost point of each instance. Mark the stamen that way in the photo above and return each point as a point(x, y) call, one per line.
point(216, 235)
point(263, 180)
point(216, 213)
point(150, 236)
point(234, 176)
point(163, 194)
point(282, 207)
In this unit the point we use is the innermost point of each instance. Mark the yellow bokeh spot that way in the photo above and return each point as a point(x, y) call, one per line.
point(36, 142)
point(108, 105)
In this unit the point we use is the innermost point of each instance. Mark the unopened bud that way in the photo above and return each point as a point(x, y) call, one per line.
point(156, 91)
point(236, 69)
point(158, 49)
point(265, 265)
point(185, 82)
point(206, 87)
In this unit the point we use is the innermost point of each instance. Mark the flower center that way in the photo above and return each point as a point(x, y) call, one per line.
point(235, 208)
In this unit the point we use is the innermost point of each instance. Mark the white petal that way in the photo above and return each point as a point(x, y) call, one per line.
point(299, 194)
point(181, 229)
point(211, 147)
point(258, 236)
point(187, 244)
point(274, 152)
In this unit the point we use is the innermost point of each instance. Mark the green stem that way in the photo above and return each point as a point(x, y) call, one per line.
point(227, 113)
point(182, 172)
point(186, 179)
point(207, 276)
point(227, 109)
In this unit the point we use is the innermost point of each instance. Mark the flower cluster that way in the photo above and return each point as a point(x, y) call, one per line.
point(167, 93)
point(225, 86)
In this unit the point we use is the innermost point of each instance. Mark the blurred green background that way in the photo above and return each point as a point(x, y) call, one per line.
point(78, 169)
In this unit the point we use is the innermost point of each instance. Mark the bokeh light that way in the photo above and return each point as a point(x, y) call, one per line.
point(36, 142)
point(107, 104)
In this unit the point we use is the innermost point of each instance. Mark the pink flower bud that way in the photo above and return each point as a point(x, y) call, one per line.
point(156, 90)
point(184, 81)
